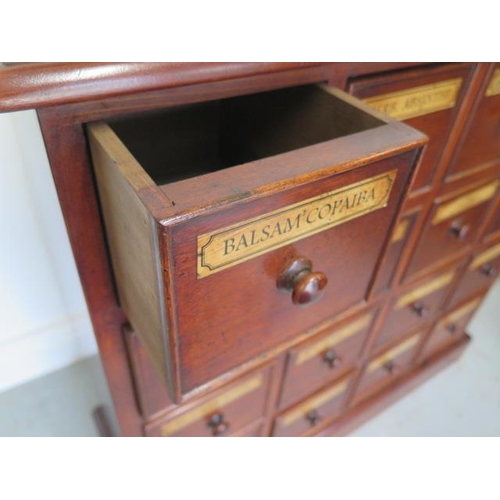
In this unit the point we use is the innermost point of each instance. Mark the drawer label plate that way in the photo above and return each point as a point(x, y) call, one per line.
point(232, 245)
point(494, 85)
point(417, 101)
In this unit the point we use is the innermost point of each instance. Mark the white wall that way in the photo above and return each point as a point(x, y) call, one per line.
point(44, 323)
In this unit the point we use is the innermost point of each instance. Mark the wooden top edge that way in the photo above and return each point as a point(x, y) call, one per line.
point(37, 85)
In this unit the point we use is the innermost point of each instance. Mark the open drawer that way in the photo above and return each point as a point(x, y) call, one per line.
point(233, 225)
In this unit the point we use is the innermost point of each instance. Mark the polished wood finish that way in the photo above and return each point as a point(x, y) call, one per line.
point(387, 367)
point(319, 408)
point(452, 225)
point(220, 413)
point(372, 406)
point(450, 328)
point(240, 325)
point(417, 306)
point(480, 273)
point(325, 357)
point(481, 139)
point(372, 265)
point(439, 124)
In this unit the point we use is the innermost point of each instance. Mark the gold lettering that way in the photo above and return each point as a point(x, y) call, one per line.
point(248, 239)
point(418, 101)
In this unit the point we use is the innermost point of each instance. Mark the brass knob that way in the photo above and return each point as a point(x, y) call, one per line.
point(459, 230)
point(313, 417)
point(419, 309)
point(332, 359)
point(217, 424)
point(488, 270)
point(307, 286)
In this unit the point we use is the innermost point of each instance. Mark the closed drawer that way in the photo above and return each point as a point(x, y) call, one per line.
point(299, 189)
point(416, 307)
point(481, 273)
point(308, 416)
point(450, 328)
point(255, 429)
point(325, 358)
point(387, 367)
point(481, 138)
point(222, 413)
point(452, 225)
point(493, 229)
point(152, 395)
point(392, 258)
point(427, 99)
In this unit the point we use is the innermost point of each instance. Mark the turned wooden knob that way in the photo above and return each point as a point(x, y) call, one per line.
point(392, 368)
point(306, 286)
point(488, 270)
point(419, 309)
point(217, 424)
point(313, 417)
point(332, 359)
point(459, 230)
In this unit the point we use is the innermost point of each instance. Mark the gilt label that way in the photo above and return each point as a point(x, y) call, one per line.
point(232, 245)
point(417, 101)
point(494, 85)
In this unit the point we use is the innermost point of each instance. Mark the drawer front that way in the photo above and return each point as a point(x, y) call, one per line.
point(481, 139)
point(387, 367)
point(450, 328)
point(324, 359)
point(242, 311)
point(255, 429)
point(493, 229)
point(416, 307)
point(309, 415)
point(399, 238)
point(452, 225)
point(223, 413)
point(481, 273)
point(213, 270)
point(427, 99)
point(152, 395)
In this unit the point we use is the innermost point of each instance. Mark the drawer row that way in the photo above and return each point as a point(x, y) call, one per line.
point(329, 373)
point(430, 99)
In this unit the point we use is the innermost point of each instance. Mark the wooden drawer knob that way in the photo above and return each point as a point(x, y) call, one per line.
point(392, 368)
point(419, 309)
point(459, 230)
point(307, 287)
point(217, 424)
point(332, 359)
point(488, 270)
point(313, 417)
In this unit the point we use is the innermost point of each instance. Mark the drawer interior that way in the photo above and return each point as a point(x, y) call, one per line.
point(181, 142)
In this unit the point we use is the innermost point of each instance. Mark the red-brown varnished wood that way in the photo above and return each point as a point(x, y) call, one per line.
point(450, 328)
point(454, 223)
point(38, 85)
point(480, 144)
point(67, 152)
point(358, 415)
point(222, 412)
point(325, 357)
point(436, 124)
point(69, 96)
point(480, 273)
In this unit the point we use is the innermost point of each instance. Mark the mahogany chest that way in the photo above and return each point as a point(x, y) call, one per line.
point(272, 249)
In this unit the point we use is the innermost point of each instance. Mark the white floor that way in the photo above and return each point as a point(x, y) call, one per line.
point(462, 400)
